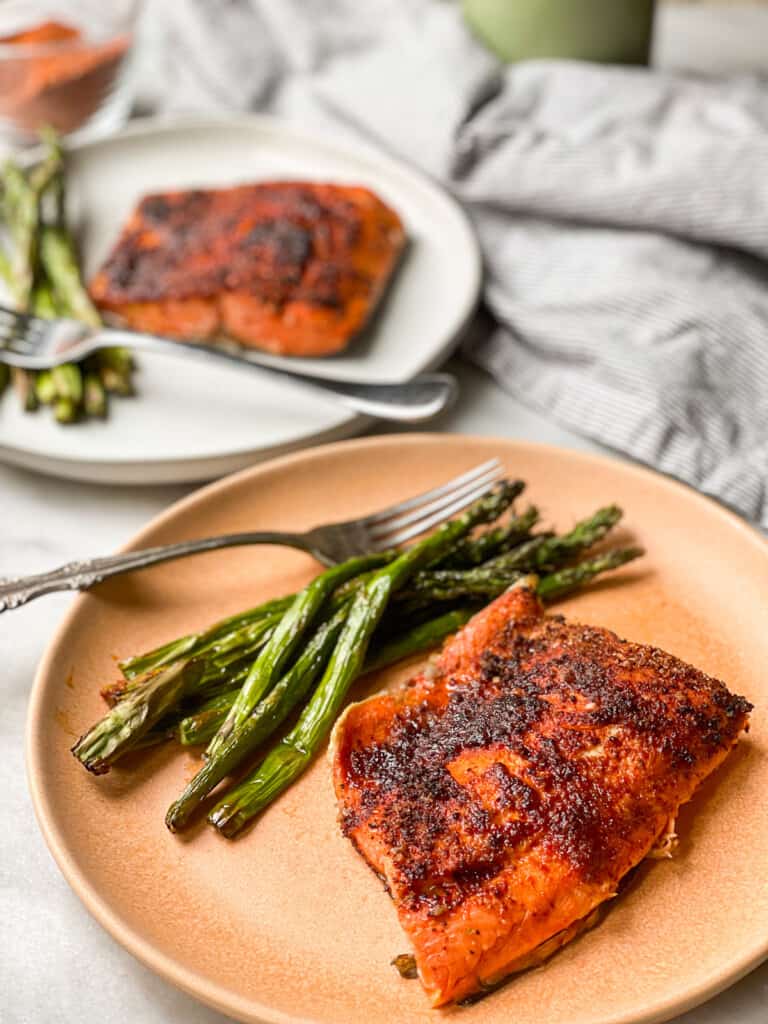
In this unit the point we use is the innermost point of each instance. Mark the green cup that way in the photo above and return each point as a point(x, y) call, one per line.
point(613, 31)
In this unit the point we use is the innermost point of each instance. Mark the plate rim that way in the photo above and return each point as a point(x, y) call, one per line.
point(364, 149)
point(196, 984)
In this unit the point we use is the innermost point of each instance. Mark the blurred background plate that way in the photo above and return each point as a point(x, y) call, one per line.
point(191, 422)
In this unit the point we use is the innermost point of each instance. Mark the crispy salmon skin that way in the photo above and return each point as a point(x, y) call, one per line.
point(292, 267)
point(503, 794)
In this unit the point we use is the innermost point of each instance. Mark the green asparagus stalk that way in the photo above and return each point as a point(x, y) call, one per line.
point(133, 717)
point(287, 636)
point(543, 553)
point(225, 661)
point(68, 382)
point(43, 300)
point(115, 382)
point(454, 584)
point(418, 638)
point(5, 377)
point(589, 531)
point(45, 388)
point(266, 716)
point(309, 601)
point(65, 410)
point(21, 207)
point(111, 367)
point(44, 259)
point(202, 725)
point(564, 581)
point(290, 758)
point(94, 396)
point(58, 257)
point(118, 359)
point(61, 387)
point(21, 215)
point(196, 644)
point(474, 550)
point(47, 176)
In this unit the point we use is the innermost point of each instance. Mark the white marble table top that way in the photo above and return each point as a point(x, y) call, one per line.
point(56, 963)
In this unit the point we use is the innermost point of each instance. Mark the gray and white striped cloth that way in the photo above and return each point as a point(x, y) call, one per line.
point(623, 214)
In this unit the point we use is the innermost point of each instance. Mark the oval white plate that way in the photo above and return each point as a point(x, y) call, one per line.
point(190, 422)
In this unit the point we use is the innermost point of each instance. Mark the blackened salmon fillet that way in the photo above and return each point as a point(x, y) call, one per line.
point(505, 792)
point(287, 266)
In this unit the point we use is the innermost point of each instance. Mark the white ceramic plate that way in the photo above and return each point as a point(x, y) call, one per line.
point(192, 422)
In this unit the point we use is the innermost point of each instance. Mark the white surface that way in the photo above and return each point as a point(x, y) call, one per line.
point(253, 417)
point(56, 964)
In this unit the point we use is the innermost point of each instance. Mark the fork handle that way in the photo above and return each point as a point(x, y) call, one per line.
point(412, 401)
point(85, 574)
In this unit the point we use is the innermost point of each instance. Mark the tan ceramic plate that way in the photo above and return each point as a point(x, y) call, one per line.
point(288, 924)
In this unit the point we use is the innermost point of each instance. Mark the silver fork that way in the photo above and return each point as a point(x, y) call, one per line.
point(34, 343)
point(330, 544)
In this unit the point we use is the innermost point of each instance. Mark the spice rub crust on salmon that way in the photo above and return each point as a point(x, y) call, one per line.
point(504, 793)
point(291, 267)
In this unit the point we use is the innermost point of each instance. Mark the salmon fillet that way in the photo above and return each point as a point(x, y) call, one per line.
point(504, 793)
point(292, 267)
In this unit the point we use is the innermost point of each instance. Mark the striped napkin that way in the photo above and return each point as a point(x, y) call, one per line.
point(623, 214)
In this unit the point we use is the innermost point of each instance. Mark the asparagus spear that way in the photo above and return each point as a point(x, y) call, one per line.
point(284, 641)
point(45, 388)
point(68, 382)
point(115, 368)
point(195, 644)
point(21, 214)
point(201, 726)
point(564, 581)
point(418, 638)
point(266, 716)
point(22, 198)
point(452, 584)
point(583, 535)
point(61, 387)
point(43, 300)
point(65, 410)
point(58, 257)
point(225, 660)
point(544, 552)
point(94, 396)
point(132, 718)
point(475, 550)
point(221, 658)
point(292, 755)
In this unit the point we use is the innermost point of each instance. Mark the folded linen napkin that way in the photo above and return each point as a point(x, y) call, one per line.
point(623, 214)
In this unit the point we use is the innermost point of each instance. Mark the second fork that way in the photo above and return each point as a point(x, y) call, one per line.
point(331, 543)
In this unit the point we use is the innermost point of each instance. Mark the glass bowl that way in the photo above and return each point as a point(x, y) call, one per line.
point(66, 65)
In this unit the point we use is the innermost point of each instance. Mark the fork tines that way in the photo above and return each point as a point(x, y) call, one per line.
point(416, 515)
point(21, 331)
